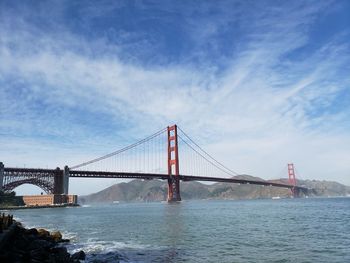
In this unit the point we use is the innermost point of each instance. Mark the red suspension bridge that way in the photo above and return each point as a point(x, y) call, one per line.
point(155, 157)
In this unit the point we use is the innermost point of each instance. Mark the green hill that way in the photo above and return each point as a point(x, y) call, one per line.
point(156, 190)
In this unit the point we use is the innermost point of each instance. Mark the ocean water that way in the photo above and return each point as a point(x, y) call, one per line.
point(293, 230)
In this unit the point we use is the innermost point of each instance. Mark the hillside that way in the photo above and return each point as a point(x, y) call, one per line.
point(156, 190)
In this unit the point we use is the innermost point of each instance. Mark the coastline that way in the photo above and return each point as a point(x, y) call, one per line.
point(20, 244)
point(37, 206)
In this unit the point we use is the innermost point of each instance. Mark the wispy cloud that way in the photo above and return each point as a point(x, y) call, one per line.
point(272, 98)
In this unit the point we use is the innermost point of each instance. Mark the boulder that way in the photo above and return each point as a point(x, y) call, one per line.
point(21, 242)
point(30, 238)
point(39, 243)
point(60, 254)
point(43, 232)
point(31, 231)
point(39, 254)
point(56, 236)
point(80, 255)
point(59, 250)
point(19, 230)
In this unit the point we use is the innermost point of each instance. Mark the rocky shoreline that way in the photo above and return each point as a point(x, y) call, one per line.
point(37, 206)
point(35, 245)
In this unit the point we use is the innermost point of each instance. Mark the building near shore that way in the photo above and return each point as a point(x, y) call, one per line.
point(42, 200)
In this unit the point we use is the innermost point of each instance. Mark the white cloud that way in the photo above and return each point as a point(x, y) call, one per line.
point(255, 116)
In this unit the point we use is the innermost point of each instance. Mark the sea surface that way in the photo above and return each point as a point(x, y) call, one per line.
point(284, 230)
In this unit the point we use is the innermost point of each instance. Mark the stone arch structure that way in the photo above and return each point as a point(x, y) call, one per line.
point(52, 181)
point(45, 185)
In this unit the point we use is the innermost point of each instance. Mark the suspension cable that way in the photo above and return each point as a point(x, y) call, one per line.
point(221, 169)
point(121, 150)
point(207, 154)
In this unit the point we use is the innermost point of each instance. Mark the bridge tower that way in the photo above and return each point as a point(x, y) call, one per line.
point(58, 182)
point(173, 165)
point(65, 180)
point(2, 167)
point(292, 179)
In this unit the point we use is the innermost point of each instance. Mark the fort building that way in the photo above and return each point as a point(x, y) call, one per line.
point(43, 200)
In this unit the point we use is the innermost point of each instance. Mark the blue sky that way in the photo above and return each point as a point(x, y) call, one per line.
point(257, 83)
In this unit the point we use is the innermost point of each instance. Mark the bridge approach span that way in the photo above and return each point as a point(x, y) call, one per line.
point(148, 176)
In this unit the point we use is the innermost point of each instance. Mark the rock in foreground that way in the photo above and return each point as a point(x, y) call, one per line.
point(36, 245)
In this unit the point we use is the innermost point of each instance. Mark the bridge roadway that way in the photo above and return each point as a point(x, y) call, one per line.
point(147, 176)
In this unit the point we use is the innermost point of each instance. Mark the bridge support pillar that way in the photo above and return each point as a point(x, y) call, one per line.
point(2, 168)
point(58, 182)
point(173, 166)
point(292, 180)
point(65, 180)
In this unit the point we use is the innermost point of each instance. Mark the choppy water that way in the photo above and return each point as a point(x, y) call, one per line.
point(299, 230)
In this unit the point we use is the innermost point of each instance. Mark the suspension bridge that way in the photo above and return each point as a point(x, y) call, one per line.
point(155, 157)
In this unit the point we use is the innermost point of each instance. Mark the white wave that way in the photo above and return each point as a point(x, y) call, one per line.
point(97, 246)
point(106, 251)
point(17, 218)
point(72, 236)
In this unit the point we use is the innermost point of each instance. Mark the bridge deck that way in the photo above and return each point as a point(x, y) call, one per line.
point(97, 174)
point(149, 176)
